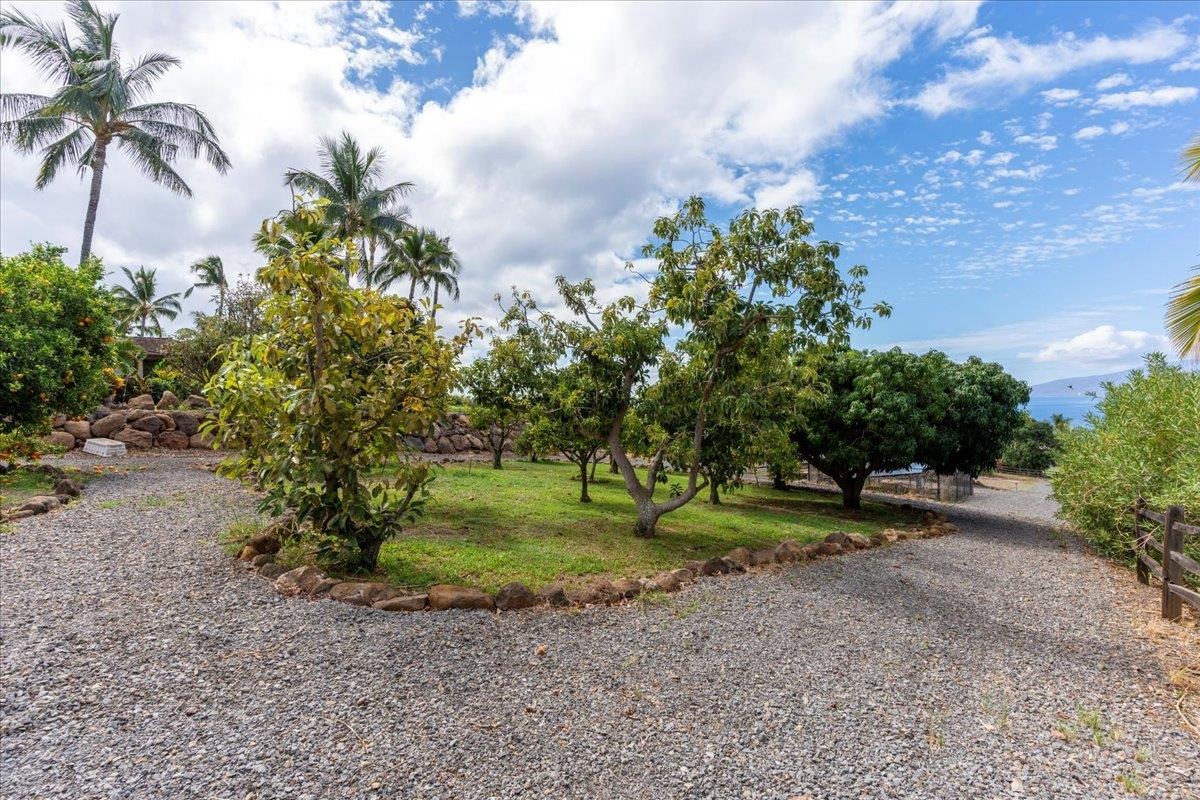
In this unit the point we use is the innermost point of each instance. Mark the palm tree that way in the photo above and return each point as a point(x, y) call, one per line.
point(1183, 309)
point(359, 209)
point(424, 258)
point(211, 272)
point(138, 302)
point(99, 102)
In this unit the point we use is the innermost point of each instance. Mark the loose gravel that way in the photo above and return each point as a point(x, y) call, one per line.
point(139, 662)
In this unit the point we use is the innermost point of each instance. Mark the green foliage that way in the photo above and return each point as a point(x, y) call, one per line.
point(326, 392)
point(56, 337)
point(193, 356)
point(506, 384)
point(140, 304)
point(1143, 440)
point(1033, 446)
point(888, 410)
point(725, 294)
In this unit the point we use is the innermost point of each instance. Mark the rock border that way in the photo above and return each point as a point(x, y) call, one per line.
point(311, 583)
point(65, 490)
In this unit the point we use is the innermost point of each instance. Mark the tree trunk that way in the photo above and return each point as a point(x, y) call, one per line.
point(583, 481)
point(714, 494)
point(612, 464)
point(433, 308)
point(412, 288)
point(89, 221)
point(777, 481)
point(851, 491)
point(497, 452)
point(647, 521)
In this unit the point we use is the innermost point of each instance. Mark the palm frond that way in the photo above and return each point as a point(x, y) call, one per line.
point(140, 78)
point(32, 133)
point(1191, 160)
point(66, 150)
point(1183, 317)
point(48, 47)
point(193, 142)
point(14, 105)
point(153, 158)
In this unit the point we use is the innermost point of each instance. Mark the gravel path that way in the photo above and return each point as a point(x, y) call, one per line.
point(139, 663)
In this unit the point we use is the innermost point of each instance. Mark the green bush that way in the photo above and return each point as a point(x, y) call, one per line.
point(1144, 440)
point(56, 338)
point(1034, 445)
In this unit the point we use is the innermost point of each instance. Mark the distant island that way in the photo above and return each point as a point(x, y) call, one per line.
point(1077, 387)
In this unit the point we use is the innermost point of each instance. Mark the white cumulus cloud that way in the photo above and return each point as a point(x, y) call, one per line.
point(1103, 344)
point(1162, 96)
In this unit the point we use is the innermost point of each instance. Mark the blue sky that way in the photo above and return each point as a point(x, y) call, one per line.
point(1009, 172)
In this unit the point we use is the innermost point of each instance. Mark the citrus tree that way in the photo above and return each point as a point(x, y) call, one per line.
point(57, 339)
point(323, 396)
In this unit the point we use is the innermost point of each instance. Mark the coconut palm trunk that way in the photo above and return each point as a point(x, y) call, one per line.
point(93, 206)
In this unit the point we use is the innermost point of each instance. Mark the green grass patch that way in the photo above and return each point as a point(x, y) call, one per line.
point(485, 527)
point(18, 486)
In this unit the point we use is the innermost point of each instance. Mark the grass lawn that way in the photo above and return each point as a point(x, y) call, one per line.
point(485, 527)
point(19, 485)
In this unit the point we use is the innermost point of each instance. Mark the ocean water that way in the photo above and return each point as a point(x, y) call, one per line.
point(1073, 408)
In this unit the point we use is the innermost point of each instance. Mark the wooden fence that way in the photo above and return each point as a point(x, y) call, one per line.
point(1173, 562)
point(1028, 473)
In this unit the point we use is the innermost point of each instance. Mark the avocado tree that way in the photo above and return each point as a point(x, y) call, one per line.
point(323, 395)
point(514, 376)
point(982, 413)
point(722, 293)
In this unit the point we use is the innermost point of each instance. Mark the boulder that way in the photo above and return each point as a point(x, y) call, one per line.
point(666, 581)
point(628, 588)
point(430, 446)
point(323, 587)
point(859, 541)
point(694, 567)
point(137, 414)
point(248, 554)
point(150, 423)
point(810, 551)
point(361, 593)
point(302, 580)
point(515, 595)
point(141, 401)
point(459, 441)
point(787, 551)
point(598, 592)
point(200, 441)
point(262, 558)
point(475, 443)
point(445, 446)
point(167, 421)
point(58, 420)
point(61, 439)
point(40, 504)
point(412, 602)
point(878, 540)
point(891, 535)
point(464, 420)
point(739, 555)
point(444, 596)
point(109, 424)
point(195, 401)
point(68, 487)
point(553, 595)
point(266, 541)
point(414, 443)
point(715, 566)
point(271, 570)
point(63, 499)
point(79, 428)
point(168, 400)
point(172, 440)
point(828, 548)
point(838, 538)
point(185, 421)
point(760, 558)
point(134, 438)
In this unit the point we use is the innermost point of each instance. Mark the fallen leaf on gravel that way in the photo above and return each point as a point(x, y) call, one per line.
point(541, 650)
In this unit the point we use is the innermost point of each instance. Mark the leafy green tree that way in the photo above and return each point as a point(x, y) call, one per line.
point(100, 101)
point(57, 338)
point(324, 395)
point(982, 412)
point(210, 274)
point(724, 291)
point(195, 352)
point(360, 208)
point(514, 376)
point(875, 412)
point(424, 258)
point(1142, 440)
point(140, 302)
point(1033, 445)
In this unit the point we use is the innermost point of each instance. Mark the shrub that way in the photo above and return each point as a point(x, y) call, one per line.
point(56, 338)
point(1033, 446)
point(327, 391)
point(1144, 440)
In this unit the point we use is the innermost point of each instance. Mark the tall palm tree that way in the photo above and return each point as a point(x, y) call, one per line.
point(424, 258)
point(1183, 309)
point(360, 208)
point(211, 273)
point(99, 102)
point(139, 303)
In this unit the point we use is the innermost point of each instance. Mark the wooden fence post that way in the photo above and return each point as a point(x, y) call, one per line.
point(1139, 543)
point(1172, 606)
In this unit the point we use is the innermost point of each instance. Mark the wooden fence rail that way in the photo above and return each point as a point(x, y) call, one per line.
point(1172, 563)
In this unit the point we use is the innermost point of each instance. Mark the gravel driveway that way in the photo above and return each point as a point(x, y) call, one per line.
point(138, 662)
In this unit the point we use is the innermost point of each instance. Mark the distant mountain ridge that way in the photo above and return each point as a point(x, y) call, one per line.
point(1077, 387)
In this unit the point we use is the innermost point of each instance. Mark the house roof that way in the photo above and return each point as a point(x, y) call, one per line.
point(154, 346)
